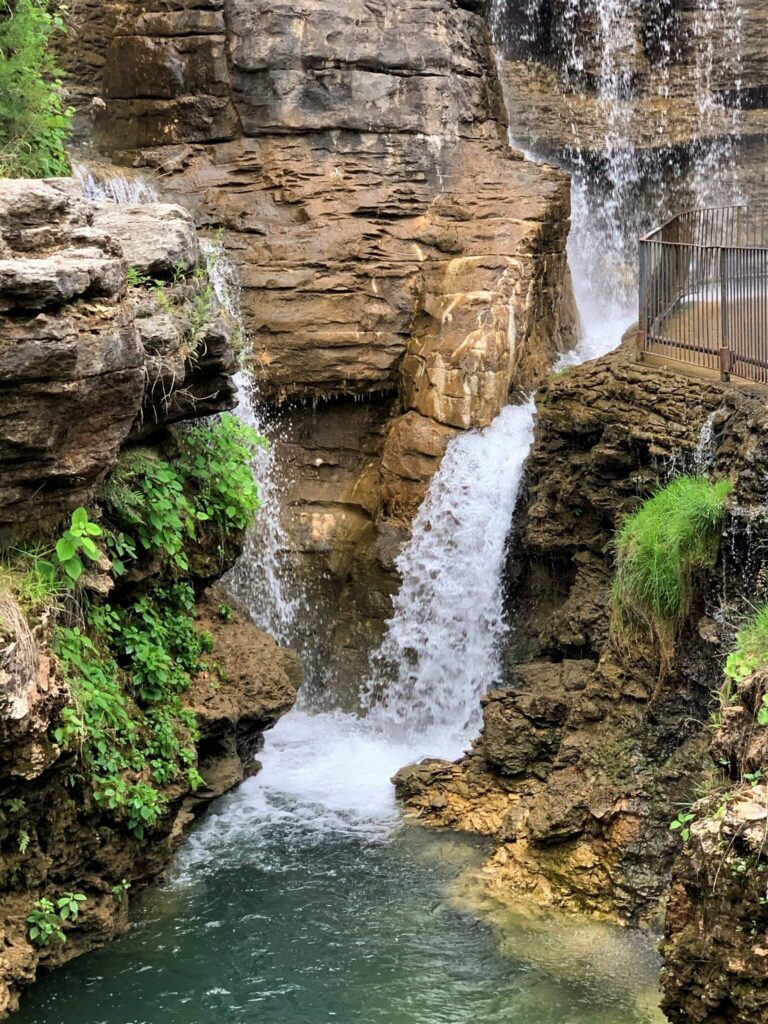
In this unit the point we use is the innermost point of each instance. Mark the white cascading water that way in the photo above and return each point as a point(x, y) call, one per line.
point(618, 193)
point(443, 641)
point(442, 648)
point(259, 579)
point(115, 188)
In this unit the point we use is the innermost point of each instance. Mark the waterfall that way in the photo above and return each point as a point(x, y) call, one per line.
point(442, 646)
point(259, 580)
point(115, 188)
point(628, 54)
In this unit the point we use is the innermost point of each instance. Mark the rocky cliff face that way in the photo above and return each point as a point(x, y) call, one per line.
point(586, 757)
point(109, 333)
point(86, 364)
point(393, 250)
point(655, 83)
point(716, 940)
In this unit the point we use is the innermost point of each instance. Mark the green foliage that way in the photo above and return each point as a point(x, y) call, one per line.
point(120, 891)
point(128, 722)
point(75, 544)
point(660, 548)
point(145, 498)
point(156, 505)
point(216, 463)
point(44, 924)
point(38, 577)
point(27, 574)
point(682, 824)
point(34, 122)
point(135, 278)
point(47, 916)
point(750, 653)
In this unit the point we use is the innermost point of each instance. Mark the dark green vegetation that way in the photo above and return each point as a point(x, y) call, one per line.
point(34, 120)
point(128, 662)
point(660, 549)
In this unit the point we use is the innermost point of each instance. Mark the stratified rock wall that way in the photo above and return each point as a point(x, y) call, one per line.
point(392, 248)
point(84, 364)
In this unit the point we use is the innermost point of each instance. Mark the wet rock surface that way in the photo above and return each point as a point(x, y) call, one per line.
point(716, 929)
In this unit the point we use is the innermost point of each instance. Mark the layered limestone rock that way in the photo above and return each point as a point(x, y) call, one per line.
point(586, 753)
point(86, 363)
point(70, 844)
point(392, 248)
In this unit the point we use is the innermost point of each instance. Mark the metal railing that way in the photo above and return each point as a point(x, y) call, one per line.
point(704, 291)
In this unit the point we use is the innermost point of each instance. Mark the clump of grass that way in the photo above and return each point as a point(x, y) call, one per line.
point(660, 548)
point(750, 650)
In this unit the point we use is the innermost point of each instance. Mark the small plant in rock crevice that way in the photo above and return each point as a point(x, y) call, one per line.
point(47, 917)
point(660, 549)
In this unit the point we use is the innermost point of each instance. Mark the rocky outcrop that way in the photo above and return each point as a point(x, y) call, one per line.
point(393, 250)
point(585, 755)
point(54, 840)
point(716, 940)
point(85, 362)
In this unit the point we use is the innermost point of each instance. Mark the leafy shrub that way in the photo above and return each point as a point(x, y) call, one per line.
point(660, 548)
point(145, 498)
point(34, 122)
point(157, 505)
point(128, 721)
point(216, 461)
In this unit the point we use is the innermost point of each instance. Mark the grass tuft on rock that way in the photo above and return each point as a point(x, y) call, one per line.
point(660, 549)
point(750, 650)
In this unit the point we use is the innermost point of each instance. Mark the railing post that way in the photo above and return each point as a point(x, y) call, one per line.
point(725, 333)
point(641, 319)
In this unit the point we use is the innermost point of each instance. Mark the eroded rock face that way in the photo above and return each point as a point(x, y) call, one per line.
point(73, 846)
point(585, 752)
point(84, 363)
point(392, 248)
point(716, 942)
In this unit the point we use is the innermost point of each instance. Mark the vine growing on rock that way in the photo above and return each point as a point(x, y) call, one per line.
point(34, 120)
